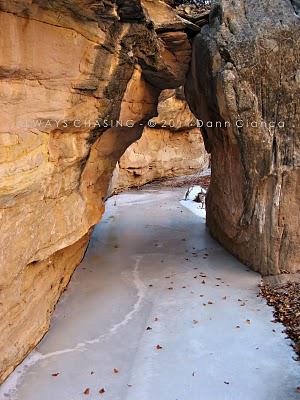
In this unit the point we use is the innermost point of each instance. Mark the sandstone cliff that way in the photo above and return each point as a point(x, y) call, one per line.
point(171, 145)
point(66, 66)
point(245, 72)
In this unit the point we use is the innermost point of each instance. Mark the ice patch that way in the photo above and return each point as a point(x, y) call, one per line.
point(194, 208)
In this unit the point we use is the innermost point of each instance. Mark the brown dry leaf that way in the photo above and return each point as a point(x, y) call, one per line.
point(86, 391)
point(203, 282)
point(116, 371)
point(55, 374)
point(170, 288)
point(285, 298)
point(248, 321)
point(226, 383)
point(149, 328)
point(102, 391)
point(210, 302)
point(298, 389)
point(158, 347)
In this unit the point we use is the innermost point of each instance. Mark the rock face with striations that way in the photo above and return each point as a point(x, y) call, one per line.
point(67, 69)
point(171, 145)
point(245, 76)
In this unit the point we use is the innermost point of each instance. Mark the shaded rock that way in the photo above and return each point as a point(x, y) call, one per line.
point(162, 150)
point(245, 72)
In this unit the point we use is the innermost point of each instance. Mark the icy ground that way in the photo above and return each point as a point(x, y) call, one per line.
point(158, 311)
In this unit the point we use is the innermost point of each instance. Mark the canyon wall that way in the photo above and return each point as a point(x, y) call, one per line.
point(245, 84)
point(171, 145)
point(67, 68)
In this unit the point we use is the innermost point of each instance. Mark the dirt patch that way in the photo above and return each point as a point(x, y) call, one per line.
point(182, 181)
point(285, 298)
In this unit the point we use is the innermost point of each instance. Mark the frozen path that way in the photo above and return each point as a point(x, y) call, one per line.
point(152, 264)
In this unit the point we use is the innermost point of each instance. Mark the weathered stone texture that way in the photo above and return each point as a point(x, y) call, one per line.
point(246, 68)
point(62, 65)
point(170, 146)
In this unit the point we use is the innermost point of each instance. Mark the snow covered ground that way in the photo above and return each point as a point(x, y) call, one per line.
point(158, 311)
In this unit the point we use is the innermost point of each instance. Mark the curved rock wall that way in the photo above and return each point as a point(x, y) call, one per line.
point(66, 68)
point(171, 145)
point(245, 77)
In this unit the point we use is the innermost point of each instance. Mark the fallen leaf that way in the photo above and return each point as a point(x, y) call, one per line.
point(148, 328)
point(237, 326)
point(210, 302)
point(102, 391)
point(86, 391)
point(55, 374)
point(224, 298)
point(248, 321)
point(129, 385)
point(195, 321)
point(203, 282)
point(92, 372)
point(158, 347)
point(170, 288)
point(116, 371)
point(183, 287)
point(155, 319)
point(226, 383)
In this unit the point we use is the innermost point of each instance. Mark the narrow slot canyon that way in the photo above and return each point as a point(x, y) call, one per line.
point(149, 198)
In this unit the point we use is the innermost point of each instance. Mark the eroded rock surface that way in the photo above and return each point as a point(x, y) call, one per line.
point(66, 66)
point(171, 145)
point(246, 68)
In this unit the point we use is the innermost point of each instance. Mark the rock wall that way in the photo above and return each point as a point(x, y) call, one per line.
point(171, 145)
point(66, 69)
point(245, 77)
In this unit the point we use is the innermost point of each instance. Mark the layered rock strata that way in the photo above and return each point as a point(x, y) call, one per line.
point(67, 69)
point(171, 145)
